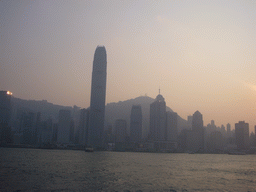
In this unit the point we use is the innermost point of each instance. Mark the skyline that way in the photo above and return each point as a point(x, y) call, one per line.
point(200, 53)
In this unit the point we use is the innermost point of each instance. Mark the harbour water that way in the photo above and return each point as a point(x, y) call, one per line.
point(70, 170)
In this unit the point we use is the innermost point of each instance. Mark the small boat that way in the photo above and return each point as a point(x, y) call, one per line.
point(236, 153)
point(88, 149)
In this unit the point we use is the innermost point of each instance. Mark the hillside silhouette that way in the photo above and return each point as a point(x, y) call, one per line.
point(122, 110)
point(113, 111)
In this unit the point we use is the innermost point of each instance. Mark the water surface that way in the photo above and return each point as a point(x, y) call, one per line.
point(68, 170)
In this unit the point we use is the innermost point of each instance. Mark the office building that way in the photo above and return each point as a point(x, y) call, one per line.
point(83, 126)
point(120, 130)
point(242, 135)
point(28, 128)
point(228, 130)
point(195, 138)
point(5, 107)
point(158, 119)
point(98, 96)
point(172, 126)
point(63, 136)
point(136, 124)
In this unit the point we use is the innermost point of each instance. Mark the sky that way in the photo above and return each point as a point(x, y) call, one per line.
point(200, 53)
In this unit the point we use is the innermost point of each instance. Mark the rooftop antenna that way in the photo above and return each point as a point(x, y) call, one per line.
point(159, 90)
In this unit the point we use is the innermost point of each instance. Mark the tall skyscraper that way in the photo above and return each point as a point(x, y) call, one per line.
point(136, 124)
point(158, 119)
point(98, 96)
point(242, 135)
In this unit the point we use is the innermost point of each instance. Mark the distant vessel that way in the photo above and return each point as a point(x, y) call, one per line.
point(88, 149)
point(236, 153)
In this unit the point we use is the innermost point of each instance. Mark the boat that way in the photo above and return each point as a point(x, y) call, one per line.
point(236, 153)
point(88, 149)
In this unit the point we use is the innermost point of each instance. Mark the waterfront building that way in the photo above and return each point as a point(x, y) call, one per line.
point(172, 126)
point(120, 130)
point(159, 135)
point(28, 128)
point(158, 119)
point(98, 96)
point(63, 136)
point(195, 138)
point(83, 126)
point(228, 130)
point(5, 107)
point(242, 135)
point(136, 124)
point(46, 132)
point(189, 120)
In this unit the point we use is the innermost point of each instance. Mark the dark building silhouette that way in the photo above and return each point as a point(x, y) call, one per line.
point(5, 107)
point(255, 135)
point(46, 132)
point(158, 119)
point(120, 134)
point(195, 137)
point(161, 128)
point(72, 131)
point(28, 128)
point(54, 132)
point(228, 130)
point(64, 126)
point(5, 117)
point(98, 96)
point(120, 130)
point(215, 141)
point(83, 126)
point(172, 126)
point(136, 124)
point(242, 135)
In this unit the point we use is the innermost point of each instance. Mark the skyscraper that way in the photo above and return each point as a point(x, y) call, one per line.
point(171, 126)
point(242, 135)
point(158, 119)
point(228, 130)
point(98, 96)
point(195, 138)
point(136, 124)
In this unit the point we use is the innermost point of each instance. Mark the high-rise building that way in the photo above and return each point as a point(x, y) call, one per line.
point(136, 124)
point(28, 127)
point(120, 130)
point(197, 122)
point(172, 126)
point(195, 138)
point(83, 126)
point(98, 96)
point(64, 126)
point(5, 107)
point(242, 135)
point(158, 119)
point(228, 130)
point(189, 120)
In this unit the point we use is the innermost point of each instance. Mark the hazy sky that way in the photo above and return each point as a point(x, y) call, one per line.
point(202, 54)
